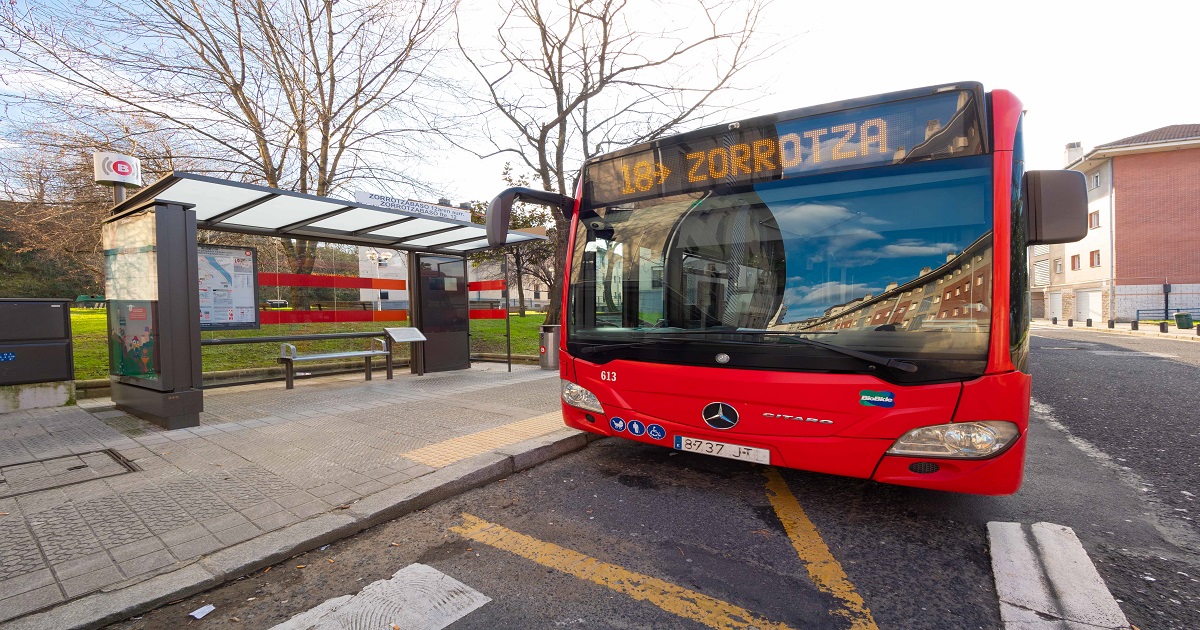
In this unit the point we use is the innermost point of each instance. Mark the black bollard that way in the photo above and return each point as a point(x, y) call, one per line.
point(1054, 320)
point(1089, 322)
point(1112, 323)
point(1070, 323)
point(1162, 327)
point(1133, 325)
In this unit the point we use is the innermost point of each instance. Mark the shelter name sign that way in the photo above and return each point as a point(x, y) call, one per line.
point(408, 205)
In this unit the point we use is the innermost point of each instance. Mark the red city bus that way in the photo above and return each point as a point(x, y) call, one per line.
point(840, 289)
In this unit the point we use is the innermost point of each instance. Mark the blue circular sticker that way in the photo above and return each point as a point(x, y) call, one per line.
point(617, 424)
point(656, 432)
point(636, 428)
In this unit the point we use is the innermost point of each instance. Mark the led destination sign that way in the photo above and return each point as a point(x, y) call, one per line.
point(933, 127)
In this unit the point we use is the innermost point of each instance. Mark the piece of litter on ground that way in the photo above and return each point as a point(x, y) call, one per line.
point(301, 566)
point(266, 569)
point(203, 610)
point(331, 560)
point(323, 548)
point(251, 599)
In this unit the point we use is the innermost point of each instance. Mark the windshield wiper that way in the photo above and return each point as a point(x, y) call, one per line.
point(903, 366)
point(796, 336)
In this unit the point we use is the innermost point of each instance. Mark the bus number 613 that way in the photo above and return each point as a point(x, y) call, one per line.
point(608, 376)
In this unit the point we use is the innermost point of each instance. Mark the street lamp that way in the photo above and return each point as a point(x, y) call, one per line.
point(380, 259)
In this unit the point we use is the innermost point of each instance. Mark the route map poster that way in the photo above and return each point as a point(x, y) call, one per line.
point(228, 287)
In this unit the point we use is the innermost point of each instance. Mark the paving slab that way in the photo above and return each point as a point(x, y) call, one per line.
point(268, 474)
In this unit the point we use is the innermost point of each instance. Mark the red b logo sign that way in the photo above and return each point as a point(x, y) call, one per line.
point(122, 168)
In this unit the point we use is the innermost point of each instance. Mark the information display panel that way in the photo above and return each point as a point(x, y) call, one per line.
point(932, 127)
point(228, 287)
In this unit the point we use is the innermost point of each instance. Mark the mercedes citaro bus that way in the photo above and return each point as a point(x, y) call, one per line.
point(840, 289)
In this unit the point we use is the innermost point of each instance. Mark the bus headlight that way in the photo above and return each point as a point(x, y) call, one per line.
point(577, 396)
point(964, 440)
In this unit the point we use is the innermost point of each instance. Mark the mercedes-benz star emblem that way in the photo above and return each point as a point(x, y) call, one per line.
point(719, 415)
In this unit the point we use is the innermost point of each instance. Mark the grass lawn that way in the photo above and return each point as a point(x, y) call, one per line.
point(89, 330)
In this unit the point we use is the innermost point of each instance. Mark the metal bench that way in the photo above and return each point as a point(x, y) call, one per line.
point(379, 348)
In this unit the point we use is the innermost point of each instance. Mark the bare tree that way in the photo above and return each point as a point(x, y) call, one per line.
point(570, 79)
point(55, 208)
point(297, 94)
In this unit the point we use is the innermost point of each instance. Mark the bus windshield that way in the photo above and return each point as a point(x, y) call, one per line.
point(894, 261)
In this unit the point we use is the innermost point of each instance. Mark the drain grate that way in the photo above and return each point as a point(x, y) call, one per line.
point(56, 472)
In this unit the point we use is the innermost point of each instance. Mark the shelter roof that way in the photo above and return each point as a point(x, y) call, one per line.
point(230, 206)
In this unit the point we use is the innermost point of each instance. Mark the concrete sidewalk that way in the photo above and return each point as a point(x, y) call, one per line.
point(103, 515)
point(1144, 330)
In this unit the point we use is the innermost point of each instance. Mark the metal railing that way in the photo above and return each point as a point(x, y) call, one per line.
point(1143, 314)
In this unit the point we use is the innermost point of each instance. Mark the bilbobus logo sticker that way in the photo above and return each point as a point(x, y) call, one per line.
point(868, 398)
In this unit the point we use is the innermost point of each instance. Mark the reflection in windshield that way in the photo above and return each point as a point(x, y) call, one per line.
point(895, 260)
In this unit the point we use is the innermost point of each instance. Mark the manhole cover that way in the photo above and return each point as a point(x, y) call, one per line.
point(57, 472)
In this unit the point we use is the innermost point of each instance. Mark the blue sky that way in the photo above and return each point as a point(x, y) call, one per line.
point(1088, 72)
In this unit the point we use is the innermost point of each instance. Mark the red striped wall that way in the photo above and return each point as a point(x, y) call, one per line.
point(323, 281)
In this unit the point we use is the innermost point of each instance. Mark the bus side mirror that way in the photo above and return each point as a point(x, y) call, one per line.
point(1056, 206)
point(499, 211)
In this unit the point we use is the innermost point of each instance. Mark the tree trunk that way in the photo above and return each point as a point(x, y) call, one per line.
point(562, 229)
point(520, 281)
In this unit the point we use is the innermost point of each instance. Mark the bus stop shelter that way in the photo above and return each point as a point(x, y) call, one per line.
point(153, 289)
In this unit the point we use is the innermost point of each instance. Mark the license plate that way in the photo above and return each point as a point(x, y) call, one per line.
point(721, 449)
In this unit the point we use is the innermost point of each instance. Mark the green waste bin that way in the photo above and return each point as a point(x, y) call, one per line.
point(1183, 321)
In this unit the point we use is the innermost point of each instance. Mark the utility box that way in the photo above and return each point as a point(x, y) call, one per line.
point(35, 341)
point(35, 349)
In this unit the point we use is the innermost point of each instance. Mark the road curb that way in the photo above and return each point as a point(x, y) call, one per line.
point(105, 607)
point(1127, 333)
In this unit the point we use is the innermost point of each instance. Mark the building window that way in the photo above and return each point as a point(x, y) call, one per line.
point(979, 279)
point(1058, 263)
point(1094, 258)
point(1093, 219)
point(1041, 273)
point(1075, 260)
point(1096, 180)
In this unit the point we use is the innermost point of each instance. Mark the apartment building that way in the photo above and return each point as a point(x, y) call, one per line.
point(1140, 251)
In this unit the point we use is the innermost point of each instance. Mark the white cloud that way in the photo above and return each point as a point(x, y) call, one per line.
point(827, 293)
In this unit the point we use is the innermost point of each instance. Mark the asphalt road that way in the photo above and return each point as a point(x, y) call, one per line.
point(1130, 402)
point(1110, 456)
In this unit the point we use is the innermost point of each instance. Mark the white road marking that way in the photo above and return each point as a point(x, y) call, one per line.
point(1044, 579)
point(1129, 353)
point(417, 597)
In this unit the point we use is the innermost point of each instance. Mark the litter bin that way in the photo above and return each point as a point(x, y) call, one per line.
point(1183, 321)
point(549, 347)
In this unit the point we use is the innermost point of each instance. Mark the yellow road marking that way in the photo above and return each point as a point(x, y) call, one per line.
point(824, 570)
point(455, 449)
point(674, 599)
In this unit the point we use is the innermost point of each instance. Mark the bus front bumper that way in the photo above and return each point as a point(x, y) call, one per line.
point(862, 458)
